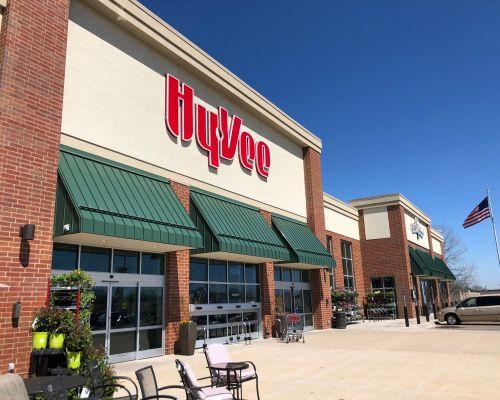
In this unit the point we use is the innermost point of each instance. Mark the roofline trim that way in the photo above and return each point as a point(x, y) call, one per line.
point(437, 235)
point(339, 206)
point(388, 200)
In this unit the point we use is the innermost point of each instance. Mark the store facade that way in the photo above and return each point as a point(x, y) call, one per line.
point(402, 253)
point(177, 187)
point(185, 194)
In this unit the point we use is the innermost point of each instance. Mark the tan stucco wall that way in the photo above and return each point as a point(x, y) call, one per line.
point(376, 223)
point(114, 98)
point(436, 246)
point(424, 241)
point(341, 224)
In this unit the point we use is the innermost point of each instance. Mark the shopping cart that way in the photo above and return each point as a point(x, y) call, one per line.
point(292, 329)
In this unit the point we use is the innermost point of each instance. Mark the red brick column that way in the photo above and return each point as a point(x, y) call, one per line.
point(267, 300)
point(320, 282)
point(177, 283)
point(434, 283)
point(32, 62)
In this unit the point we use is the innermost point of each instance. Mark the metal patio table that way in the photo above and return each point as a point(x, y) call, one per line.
point(34, 385)
point(232, 369)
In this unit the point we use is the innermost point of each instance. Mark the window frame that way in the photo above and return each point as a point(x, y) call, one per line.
point(345, 260)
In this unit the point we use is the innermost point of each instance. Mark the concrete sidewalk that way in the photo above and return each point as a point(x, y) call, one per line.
point(371, 360)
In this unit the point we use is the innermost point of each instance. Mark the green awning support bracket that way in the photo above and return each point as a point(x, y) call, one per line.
point(305, 248)
point(229, 226)
point(101, 197)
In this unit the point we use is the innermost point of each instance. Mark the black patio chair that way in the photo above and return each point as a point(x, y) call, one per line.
point(100, 383)
point(149, 385)
point(54, 389)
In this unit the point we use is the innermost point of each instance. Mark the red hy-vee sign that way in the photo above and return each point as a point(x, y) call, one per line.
point(216, 133)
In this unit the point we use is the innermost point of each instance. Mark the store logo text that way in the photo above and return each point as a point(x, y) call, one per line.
point(216, 133)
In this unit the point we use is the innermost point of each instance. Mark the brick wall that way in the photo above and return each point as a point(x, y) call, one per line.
point(320, 283)
point(32, 61)
point(389, 257)
point(357, 263)
point(268, 307)
point(177, 283)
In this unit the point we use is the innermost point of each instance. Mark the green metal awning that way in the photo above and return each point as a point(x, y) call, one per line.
point(96, 196)
point(423, 264)
point(418, 267)
point(306, 249)
point(441, 265)
point(233, 231)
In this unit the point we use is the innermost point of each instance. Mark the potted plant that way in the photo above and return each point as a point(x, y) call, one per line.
point(75, 344)
point(187, 337)
point(40, 328)
point(60, 323)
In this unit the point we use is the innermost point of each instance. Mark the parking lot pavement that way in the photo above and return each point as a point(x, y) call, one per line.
point(371, 360)
point(472, 327)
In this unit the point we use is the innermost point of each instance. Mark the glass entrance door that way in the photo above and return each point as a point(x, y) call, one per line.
point(425, 288)
point(122, 315)
point(127, 319)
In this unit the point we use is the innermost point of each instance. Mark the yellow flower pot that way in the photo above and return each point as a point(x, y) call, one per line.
point(40, 340)
point(74, 358)
point(56, 340)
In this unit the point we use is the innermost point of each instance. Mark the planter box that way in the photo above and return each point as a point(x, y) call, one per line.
point(187, 338)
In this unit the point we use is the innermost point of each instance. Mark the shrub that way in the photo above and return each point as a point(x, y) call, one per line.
point(379, 298)
point(342, 297)
point(41, 322)
point(60, 321)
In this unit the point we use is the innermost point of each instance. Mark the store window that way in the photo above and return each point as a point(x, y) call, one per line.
point(226, 296)
point(329, 244)
point(385, 284)
point(95, 259)
point(347, 265)
point(64, 256)
point(152, 264)
point(222, 282)
point(125, 262)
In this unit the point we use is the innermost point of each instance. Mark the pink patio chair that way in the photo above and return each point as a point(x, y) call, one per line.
point(194, 391)
point(217, 353)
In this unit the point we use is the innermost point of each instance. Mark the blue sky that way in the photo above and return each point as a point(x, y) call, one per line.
point(405, 95)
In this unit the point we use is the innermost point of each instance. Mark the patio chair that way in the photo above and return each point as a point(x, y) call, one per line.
point(194, 391)
point(54, 389)
point(100, 383)
point(217, 353)
point(149, 385)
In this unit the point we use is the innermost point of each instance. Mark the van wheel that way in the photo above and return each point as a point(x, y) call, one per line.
point(452, 319)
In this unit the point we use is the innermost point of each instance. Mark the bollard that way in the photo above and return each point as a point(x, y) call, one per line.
point(407, 321)
point(417, 313)
point(427, 316)
point(434, 310)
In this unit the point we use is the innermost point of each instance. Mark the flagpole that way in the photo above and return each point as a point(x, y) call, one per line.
point(493, 222)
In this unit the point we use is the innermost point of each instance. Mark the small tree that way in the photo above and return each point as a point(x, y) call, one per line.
point(454, 256)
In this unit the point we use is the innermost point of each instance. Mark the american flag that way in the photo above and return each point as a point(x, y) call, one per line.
point(480, 213)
